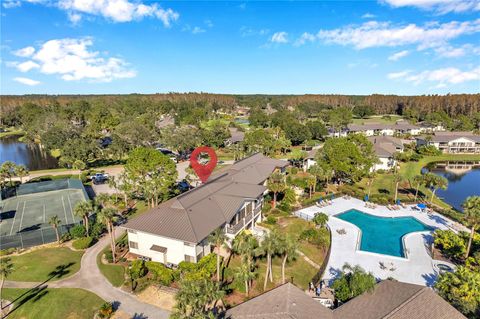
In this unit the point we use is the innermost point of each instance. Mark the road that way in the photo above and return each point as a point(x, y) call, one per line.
point(90, 278)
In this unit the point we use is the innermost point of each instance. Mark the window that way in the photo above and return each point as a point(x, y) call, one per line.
point(199, 256)
point(188, 244)
point(189, 259)
point(133, 244)
point(131, 231)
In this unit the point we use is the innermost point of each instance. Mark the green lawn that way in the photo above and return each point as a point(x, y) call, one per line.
point(44, 264)
point(115, 274)
point(301, 272)
point(59, 303)
point(378, 119)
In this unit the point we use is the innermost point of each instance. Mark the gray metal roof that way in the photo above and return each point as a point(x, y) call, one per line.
point(379, 126)
point(389, 299)
point(192, 216)
point(450, 136)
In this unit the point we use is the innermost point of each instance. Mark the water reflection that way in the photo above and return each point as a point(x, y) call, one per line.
point(463, 180)
point(32, 156)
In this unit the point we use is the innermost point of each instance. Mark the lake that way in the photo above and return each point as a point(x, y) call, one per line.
point(463, 181)
point(32, 156)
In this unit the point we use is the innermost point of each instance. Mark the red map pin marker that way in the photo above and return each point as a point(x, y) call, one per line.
point(203, 171)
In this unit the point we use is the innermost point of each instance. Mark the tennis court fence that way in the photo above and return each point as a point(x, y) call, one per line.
point(33, 237)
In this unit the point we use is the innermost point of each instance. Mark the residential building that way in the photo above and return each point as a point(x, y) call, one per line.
point(389, 299)
point(375, 129)
point(452, 142)
point(178, 229)
point(385, 147)
point(236, 136)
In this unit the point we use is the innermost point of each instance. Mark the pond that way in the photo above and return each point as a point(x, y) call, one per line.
point(30, 155)
point(463, 181)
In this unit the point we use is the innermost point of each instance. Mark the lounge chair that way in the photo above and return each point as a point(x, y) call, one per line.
point(403, 205)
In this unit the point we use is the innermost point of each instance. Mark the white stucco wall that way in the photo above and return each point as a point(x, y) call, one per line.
point(383, 164)
point(176, 249)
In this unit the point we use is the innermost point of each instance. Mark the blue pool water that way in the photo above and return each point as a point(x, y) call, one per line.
point(380, 234)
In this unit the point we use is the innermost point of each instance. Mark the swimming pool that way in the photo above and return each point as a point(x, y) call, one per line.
point(383, 235)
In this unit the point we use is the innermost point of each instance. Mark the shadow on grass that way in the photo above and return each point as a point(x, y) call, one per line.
point(59, 272)
point(34, 294)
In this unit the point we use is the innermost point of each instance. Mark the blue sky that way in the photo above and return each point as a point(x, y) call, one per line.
point(127, 46)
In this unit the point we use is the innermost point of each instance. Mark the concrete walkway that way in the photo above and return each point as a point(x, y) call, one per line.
point(90, 278)
point(418, 267)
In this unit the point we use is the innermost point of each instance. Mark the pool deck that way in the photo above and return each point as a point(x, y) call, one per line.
point(418, 266)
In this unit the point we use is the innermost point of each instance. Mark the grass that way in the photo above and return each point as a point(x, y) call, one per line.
point(45, 264)
point(294, 226)
point(378, 119)
point(115, 274)
point(52, 303)
point(11, 131)
point(301, 272)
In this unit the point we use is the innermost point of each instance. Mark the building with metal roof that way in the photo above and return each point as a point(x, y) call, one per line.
point(177, 230)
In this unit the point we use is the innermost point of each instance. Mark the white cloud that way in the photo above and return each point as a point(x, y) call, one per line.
point(27, 81)
point(368, 16)
point(439, 6)
point(246, 31)
point(397, 56)
point(305, 37)
point(72, 59)
point(377, 34)
point(209, 23)
point(197, 30)
point(448, 51)
point(25, 52)
point(119, 10)
point(398, 75)
point(27, 66)
point(8, 4)
point(441, 77)
point(279, 37)
point(74, 17)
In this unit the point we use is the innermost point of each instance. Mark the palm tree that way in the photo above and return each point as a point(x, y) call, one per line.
point(276, 184)
point(21, 171)
point(246, 246)
point(83, 210)
point(418, 180)
point(311, 182)
point(125, 185)
point(107, 216)
point(80, 165)
point(371, 179)
point(244, 273)
point(55, 222)
point(471, 208)
point(397, 178)
point(435, 181)
point(112, 183)
point(320, 219)
point(102, 200)
point(269, 247)
point(288, 249)
point(6, 268)
point(8, 169)
point(218, 239)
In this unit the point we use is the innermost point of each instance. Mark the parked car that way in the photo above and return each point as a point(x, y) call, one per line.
point(99, 178)
point(171, 154)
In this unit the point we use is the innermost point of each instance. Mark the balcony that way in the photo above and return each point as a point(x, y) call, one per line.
point(235, 229)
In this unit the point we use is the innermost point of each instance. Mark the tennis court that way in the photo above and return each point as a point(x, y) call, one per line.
point(25, 217)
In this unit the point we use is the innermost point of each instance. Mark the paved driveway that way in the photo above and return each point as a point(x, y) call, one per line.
point(90, 278)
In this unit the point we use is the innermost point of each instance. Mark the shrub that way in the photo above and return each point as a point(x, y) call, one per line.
point(379, 199)
point(96, 229)
point(160, 273)
point(204, 269)
point(319, 237)
point(429, 150)
point(8, 251)
point(266, 207)
point(77, 231)
point(451, 244)
point(270, 220)
point(82, 243)
point(106, 310)
point(285, 206)
point(109, 256)
point(65, 237)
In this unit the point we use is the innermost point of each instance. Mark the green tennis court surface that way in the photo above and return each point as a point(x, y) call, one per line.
point(24, 218)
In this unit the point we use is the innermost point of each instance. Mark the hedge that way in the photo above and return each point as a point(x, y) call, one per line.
point(82, 243)
point(160, 273)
